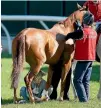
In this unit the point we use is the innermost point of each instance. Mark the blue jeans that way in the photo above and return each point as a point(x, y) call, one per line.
point(25, 96)
point(23, 93)
point(82, 76)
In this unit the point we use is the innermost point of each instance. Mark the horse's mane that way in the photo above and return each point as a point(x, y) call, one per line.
point(71, 18)
point(68, 21)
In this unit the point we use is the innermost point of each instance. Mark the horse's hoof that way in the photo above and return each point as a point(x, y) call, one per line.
point(15, 102)
point(32, 100)
point(44, 98)
point(60, 99)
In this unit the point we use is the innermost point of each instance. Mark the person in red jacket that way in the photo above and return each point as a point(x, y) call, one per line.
point(85, 55)
point(95, 8)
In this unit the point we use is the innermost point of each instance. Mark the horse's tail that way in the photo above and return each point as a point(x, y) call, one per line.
point(18, 53)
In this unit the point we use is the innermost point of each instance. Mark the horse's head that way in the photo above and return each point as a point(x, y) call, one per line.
point(78, 17)
point(83, 15)
point(76, 20)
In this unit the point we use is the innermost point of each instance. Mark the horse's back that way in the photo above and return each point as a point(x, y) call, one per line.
point(41, 44)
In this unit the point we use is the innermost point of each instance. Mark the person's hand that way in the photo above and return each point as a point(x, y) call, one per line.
point(45, 96)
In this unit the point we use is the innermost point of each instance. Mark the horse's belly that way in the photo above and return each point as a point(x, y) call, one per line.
point(55, 58)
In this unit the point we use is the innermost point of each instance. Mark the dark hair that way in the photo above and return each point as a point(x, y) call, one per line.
point(88, 19)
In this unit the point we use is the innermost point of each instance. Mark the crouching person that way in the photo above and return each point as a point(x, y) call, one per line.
point(38, 85)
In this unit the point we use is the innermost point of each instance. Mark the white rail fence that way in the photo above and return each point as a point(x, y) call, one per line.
point(39, 18)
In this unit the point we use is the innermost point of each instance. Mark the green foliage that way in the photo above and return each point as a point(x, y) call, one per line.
point(7, 93)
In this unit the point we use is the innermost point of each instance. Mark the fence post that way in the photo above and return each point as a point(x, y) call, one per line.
point(8, 37)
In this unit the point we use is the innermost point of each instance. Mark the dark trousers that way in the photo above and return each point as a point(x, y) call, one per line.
point(82, 76)
point(55, 81)
point(97, 58)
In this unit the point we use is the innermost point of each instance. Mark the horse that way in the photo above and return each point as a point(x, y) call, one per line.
point(99, 56)
point(37, 46)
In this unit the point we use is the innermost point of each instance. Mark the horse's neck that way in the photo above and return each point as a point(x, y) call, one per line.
point(58, 29)
point(63, 27)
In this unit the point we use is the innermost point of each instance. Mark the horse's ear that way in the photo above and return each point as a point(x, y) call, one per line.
point(78, 6)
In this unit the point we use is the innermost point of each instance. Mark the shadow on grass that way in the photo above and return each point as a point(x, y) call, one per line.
point(6, 55)
point(6, 101)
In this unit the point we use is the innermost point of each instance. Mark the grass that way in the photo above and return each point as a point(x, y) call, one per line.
point(7, 93)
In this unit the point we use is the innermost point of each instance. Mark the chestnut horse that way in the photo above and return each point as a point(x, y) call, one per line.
point(37, 47)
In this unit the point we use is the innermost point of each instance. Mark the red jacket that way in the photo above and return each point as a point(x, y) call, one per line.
point(95, 9)
point(85, 48)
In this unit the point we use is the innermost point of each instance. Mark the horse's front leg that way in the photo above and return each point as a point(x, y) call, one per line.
point(48, 84)
point(72, 76)
point(65, 70)
point(99, 93)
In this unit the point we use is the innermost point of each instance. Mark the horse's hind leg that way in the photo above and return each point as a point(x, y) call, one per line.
point(29, 78)
point(36, 58)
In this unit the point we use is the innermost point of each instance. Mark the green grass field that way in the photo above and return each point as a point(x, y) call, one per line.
point(7, 93)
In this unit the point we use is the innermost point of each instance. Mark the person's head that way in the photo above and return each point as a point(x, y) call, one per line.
point(88, 19)
point(39, 76)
